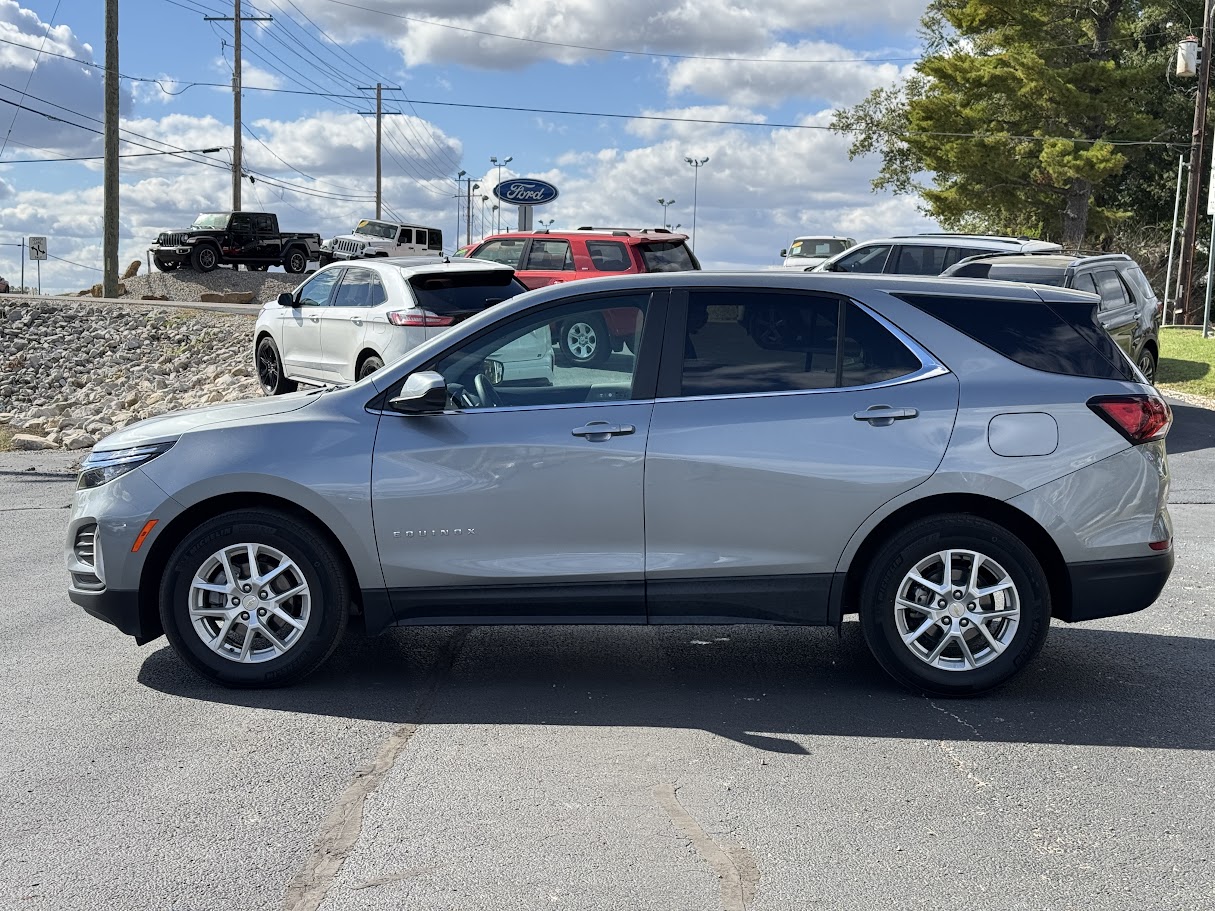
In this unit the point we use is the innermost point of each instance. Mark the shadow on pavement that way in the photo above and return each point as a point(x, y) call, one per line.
point(769, 688)
point(1193, 428)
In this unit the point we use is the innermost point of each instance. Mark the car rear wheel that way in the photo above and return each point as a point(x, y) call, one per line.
point(270, 369)
point(204, 258)
point(584, 341)
point(369, 366)
point(954, 605)
point(254, 598)
point(296, 261)
point(1147, 365)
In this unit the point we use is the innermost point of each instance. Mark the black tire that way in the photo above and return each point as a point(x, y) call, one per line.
point(369, 366)
point(584, 340)
point(269, 367)
point(204, 258)
point(324, 259)
point(1147, 365)
point(165, 265)
point(296, 261)
point(921, 541)
point(273, 535)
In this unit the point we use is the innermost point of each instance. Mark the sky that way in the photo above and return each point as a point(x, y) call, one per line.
point(604, 101)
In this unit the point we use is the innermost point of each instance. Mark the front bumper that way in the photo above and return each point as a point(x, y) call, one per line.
point(120, 608)
point(1107, 588)
point(172, 254)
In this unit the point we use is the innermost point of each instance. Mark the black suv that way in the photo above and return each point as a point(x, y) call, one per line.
point(1130, 310)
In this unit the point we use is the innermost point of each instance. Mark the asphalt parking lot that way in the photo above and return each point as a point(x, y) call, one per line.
point(610, 768)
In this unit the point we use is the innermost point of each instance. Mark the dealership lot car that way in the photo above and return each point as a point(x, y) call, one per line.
point(349, 320)
point(769, 447)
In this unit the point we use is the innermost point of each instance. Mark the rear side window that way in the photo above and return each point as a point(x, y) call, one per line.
point(921, 260)
point(462, 293)
point(1057, 338)
point(666, 257)
point(755, 341)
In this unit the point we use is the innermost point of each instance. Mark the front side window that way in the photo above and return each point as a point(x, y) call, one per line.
point(754, 341)
point(241, 224)
point(406, 236)
point(359, 288)
point(508, 252)
point(480, 373)
point(549, 256)
point(318, 290)
point(871, 258)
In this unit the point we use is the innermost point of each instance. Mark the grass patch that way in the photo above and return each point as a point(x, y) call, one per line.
point(1187, 362)
point(6, 440)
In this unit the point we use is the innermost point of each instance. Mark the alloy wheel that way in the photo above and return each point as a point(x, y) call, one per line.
point(581, 340)
point(249, 603)
point(957, 610)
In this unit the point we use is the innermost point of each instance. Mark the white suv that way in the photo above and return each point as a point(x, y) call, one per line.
point(348, 320)
point(927, 254)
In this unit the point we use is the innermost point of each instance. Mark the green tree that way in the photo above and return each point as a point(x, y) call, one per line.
point(1023, 117)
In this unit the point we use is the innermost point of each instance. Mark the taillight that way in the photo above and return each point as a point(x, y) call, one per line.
point(1139, 418)
point(419, 318)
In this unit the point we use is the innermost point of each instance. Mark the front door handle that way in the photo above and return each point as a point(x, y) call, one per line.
point(598, 431)
point(884, 415)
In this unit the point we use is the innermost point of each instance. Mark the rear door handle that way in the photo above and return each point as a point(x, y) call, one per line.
point(598, 431)
point(357, 320)
point(884, 415)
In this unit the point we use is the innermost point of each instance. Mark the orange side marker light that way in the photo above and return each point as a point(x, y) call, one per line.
point(147, 528)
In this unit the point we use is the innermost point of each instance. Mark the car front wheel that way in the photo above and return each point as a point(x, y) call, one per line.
point(954, 605)
point(270, 369)
point(254, 598)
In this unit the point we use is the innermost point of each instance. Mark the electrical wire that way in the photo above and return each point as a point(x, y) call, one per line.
point(30, 78)
point(70, 263)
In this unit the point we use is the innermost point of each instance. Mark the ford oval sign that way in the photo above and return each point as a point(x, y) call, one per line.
point(525, 191)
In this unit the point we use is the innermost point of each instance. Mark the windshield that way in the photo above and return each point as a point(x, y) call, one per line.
point(376, 229)
point(210, 221)
point(819, 247)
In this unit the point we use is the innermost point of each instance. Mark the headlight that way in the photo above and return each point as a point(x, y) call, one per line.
point(102, 467)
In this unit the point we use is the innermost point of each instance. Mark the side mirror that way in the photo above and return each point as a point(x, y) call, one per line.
point(286, 299)
point(784, 252)
point(423, 393)
point(494, 371)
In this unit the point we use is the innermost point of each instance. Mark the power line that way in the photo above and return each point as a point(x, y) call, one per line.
point(30, 78)
point(96, 157)
point(70, 263)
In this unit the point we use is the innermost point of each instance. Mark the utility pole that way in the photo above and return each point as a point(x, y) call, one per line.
point(236, 19)
point(1189, 230)
point(109, 241)
point(379, 116)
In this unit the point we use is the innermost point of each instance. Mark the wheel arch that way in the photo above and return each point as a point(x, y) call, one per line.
point(155, 563)
point(1023, 526)
point(362, 358)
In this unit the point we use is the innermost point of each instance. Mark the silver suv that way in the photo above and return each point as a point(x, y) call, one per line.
point(955, 461)
point(926, 254)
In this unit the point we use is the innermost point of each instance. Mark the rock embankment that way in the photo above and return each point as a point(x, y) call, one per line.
point(73, 371)
point(188, 285)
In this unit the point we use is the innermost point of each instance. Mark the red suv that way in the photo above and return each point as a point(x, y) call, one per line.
point(548, 257)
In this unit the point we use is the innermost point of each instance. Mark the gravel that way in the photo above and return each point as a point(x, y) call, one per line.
point(74, 370)
point(188, 285)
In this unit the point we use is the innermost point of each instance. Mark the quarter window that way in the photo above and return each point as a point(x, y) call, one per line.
point(1113, 292)
point(753, 342)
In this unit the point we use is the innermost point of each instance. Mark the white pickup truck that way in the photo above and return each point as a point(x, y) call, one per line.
point(371, 238)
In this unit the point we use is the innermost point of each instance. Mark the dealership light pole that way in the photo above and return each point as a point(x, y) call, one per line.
point(459, 195)
point(493, 159)
point(666, 204)
point(697, 164)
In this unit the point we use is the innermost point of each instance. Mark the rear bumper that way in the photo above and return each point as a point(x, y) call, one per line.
point(118, 608)
point(1107, 588)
